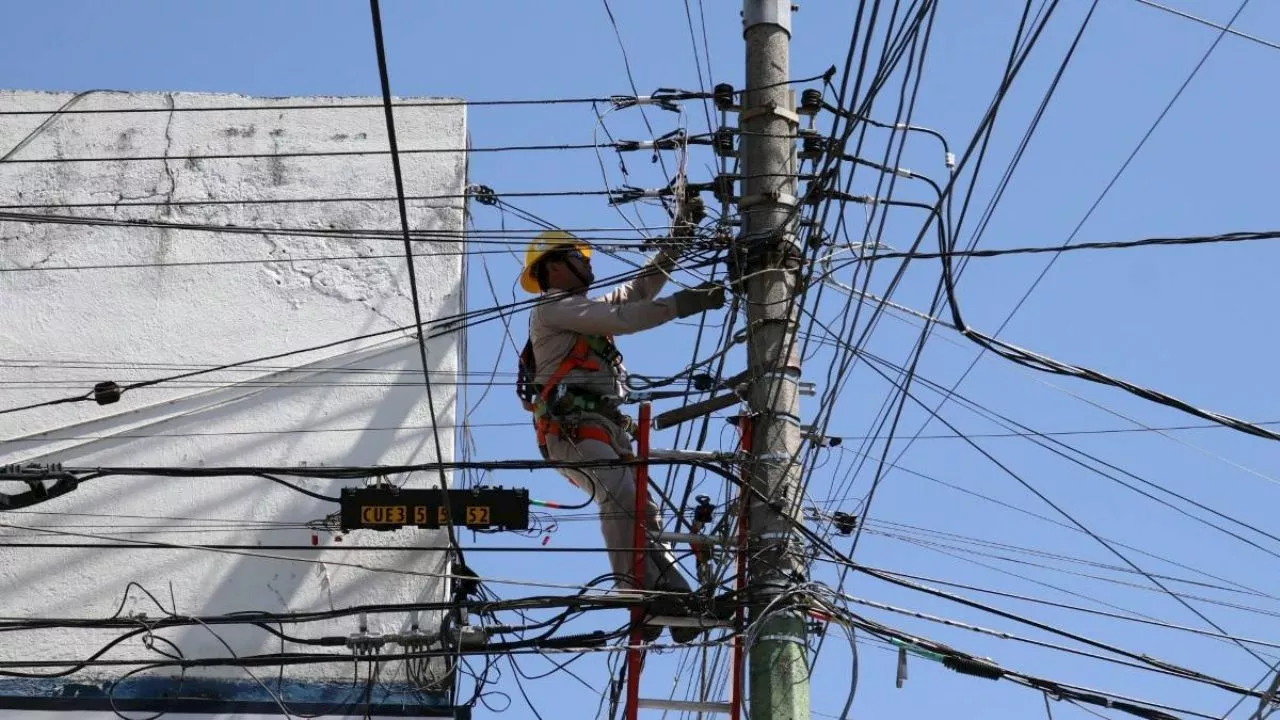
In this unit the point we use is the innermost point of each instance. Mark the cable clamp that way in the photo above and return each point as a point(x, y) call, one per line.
point(631, 194)
point(364, 643)
point(483, 194)
point(31, 471)
point(671, 141)
point(664, 98)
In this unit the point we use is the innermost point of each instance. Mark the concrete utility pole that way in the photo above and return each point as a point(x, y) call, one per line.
point(779, 672)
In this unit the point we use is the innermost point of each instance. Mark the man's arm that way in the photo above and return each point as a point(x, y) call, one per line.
point(600, 317)
point(653, 276)
point(597, 317)
point(646, 285)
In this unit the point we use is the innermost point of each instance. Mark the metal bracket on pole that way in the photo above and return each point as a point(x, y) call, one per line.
point(692, 455)
point(776, 198)
point(691, 538)
point(685, 706)
point(780, 638)
point(789, 115)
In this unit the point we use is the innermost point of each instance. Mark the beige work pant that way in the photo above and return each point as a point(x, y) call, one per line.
point(613, 490)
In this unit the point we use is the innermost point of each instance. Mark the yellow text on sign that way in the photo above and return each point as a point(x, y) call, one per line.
point(383, 514)
point(477, 514)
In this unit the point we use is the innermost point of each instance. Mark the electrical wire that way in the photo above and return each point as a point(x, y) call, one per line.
point(445, 325)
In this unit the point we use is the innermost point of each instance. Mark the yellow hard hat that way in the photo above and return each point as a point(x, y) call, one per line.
point(544, 243)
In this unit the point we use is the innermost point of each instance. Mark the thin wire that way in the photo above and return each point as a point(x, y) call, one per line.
point(446, 325)
point(1111, 183)
point(1102, 541)
point(1224, 28)
point(626, 63)
point(624, 145)
point(343, 106)
point(291, 201)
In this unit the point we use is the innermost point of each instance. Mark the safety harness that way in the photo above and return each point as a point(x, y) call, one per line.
point(551, 402)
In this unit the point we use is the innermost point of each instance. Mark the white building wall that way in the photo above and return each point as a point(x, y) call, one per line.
point(64, 330)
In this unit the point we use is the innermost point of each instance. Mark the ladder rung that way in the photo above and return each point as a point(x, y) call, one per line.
point(688, 621)
point(691, 538)
point(684, 705)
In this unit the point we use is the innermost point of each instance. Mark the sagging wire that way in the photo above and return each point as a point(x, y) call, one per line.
point(109, 392)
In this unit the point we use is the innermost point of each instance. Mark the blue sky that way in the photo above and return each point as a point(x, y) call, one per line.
point(1195, 322)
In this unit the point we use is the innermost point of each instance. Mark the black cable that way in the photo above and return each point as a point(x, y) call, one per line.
point(1038, 362)
point(820, 542)
point(989, 212)
point(578, 602)
point(294, 201)
point(1232, 237)
point(631, 80)
point(623, 145)
point(672, 95)
point(1076, 608)
point(1045, 441)
point(383, 76)
point(1029, 641)
point(1015, 64)
point(967, 664)
point(346, 106)
point(447, 324)
point(503, 237)
point(799, 527)
point(851, 357)
point(1102, 541)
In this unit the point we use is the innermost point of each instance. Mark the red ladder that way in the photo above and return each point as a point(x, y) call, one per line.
point(635, 648)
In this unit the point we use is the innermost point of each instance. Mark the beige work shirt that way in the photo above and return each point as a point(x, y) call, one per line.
point(556, 322)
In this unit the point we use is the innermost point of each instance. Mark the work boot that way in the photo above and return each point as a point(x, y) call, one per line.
point(721, 607)
point(650, 633)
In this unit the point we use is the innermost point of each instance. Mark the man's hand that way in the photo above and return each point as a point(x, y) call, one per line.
point(691, 301)
point(692, 212)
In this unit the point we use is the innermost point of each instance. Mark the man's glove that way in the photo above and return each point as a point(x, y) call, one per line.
point(692, 212)
point(691, 301)
point(683, 229)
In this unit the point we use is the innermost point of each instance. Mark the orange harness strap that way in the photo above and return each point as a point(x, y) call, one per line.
point(547, 426)
point(579, 357)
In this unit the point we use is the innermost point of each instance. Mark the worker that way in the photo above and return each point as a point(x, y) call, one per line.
point(572, 381)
